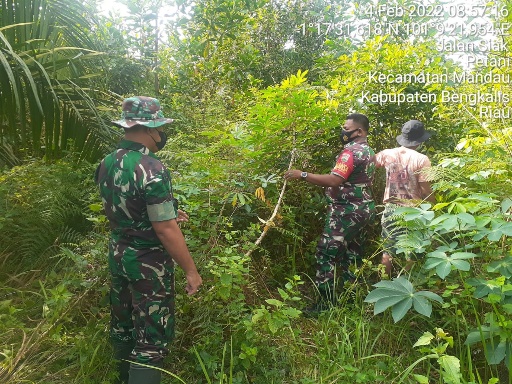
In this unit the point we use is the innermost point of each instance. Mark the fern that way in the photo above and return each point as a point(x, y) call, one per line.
point(44, 207)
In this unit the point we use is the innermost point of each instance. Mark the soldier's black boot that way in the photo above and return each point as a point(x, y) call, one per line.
point(122, 351)
point(145, 375)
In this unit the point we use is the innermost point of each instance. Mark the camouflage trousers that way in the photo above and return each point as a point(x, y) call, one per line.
point(341, 243)
point(142, 309)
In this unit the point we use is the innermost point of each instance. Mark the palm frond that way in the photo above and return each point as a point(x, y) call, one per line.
point(47, 59)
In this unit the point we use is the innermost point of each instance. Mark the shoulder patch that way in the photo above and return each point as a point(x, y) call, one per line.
point(343, 168)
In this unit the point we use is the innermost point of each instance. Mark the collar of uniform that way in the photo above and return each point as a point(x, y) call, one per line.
point(363, 141)
point(134, 146)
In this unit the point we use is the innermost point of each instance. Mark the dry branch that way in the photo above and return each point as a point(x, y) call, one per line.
point(270, 222)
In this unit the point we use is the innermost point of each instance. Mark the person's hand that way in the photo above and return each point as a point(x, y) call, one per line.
point(182, 216)
point(292, 174)
point(194, 281)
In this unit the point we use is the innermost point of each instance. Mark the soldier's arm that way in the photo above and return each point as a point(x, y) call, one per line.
point(339, 174)
point(330, 180)
point(173, 241)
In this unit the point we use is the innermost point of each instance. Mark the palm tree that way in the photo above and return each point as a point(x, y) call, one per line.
point(47, 61)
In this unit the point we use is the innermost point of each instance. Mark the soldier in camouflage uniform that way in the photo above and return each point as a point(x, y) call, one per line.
point(351, 208)
point(137, 196)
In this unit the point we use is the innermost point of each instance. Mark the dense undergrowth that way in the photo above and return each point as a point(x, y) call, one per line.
point(245, 326)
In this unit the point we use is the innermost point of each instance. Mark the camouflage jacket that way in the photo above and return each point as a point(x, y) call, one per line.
point(136, 189)
point(356, 164)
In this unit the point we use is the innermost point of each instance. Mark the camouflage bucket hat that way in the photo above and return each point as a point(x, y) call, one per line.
point(141, 110)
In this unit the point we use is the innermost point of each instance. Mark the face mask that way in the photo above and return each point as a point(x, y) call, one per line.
point(346, 136)
point(163, 140)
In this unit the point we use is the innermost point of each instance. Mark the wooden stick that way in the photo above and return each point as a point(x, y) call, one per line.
point(270, 222)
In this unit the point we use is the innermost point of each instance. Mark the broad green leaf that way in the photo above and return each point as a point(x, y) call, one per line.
point(496, 353)
point(482, 221)
point(507, 308)
point(450, 224)
point(422, 305)
point(437, 255)
point(506, 229)
point(406, 284)
point(273, 325)
point(504, 267)
point(284, 295)
point(476, 336)
point(461, 265)
point(450, 369)
point(392, 285)
point(466, 218)
point(381, 293)
point(421, 379)
point(291, 312)
point(430, 295)
point(444, 269)
point(484, 290)
point(473, 281)
point(505, 205)
point(412, 216)
point(275, 302)
point(460, 208)
point(419, 214)
point(440, 218)
point(399, 310)
point(494, 298)
point(431, 263)
point(384, 303)
point(494, 235)
point(481, 234)
point(425, 339)
point(486, 198)
point(463, 255)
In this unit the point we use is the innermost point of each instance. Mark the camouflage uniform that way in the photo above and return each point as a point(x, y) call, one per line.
point(351, 208)
point(136, 189)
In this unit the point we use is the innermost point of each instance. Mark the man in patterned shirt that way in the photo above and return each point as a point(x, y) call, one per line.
point(406, 186)
point(137, 196)
point(351, 208)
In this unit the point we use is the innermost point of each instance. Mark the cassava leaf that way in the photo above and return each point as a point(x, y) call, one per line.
point(422, 305)
point(400, 309)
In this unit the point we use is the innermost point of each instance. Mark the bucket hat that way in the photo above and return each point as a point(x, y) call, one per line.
point(141, 110)
point(413, 133)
